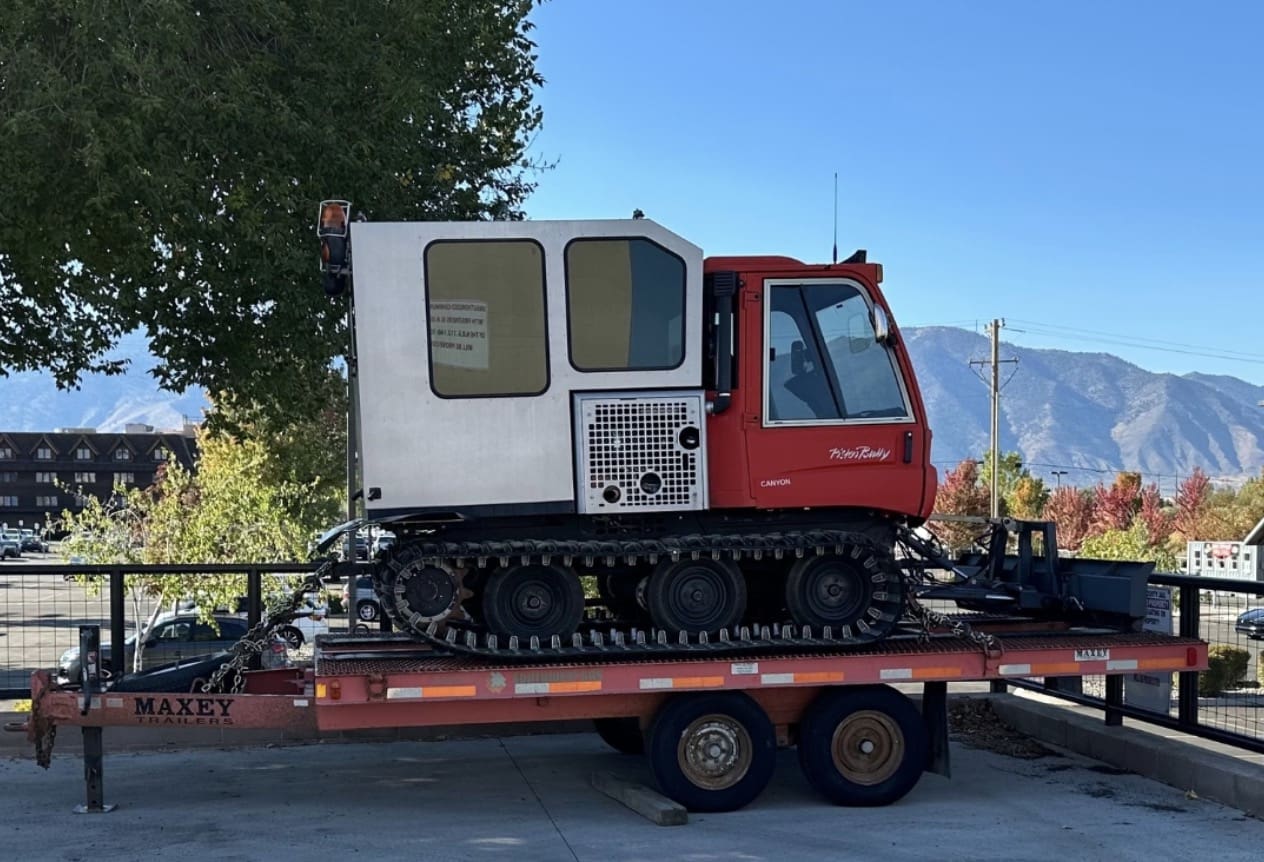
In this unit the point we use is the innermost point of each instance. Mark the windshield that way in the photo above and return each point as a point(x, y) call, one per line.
point(858, 377)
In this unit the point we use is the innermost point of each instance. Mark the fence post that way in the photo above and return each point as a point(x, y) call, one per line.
point(1187, 694)
point(1114, 700)
point(254, 597)
point(118, 627)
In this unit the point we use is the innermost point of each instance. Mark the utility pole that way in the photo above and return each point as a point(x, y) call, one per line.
point(995, 387)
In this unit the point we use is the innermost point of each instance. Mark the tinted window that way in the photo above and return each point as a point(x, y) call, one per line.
point(823, 360)
point(625, 305)
point(485, 302)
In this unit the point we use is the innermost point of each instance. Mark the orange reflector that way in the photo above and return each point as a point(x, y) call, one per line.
point(1191, 657)
point(335, 690)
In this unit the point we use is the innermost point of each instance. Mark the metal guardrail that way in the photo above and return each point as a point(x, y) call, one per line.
point(41, 610)
point(1206, 608)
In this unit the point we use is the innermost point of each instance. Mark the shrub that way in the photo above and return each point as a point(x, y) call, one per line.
point(1226, 669)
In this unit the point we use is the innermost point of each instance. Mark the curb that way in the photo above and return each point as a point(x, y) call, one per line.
point(1229, 776)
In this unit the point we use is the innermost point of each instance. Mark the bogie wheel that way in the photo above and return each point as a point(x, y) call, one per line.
point(712, 752)
point(622, 734)
point(863, 745)
point(696, 596)
point(852, 593)
point(293, 637)
point(533, 600)
point(618, 588)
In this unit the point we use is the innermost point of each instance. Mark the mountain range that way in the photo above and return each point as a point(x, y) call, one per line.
point(1089, 414)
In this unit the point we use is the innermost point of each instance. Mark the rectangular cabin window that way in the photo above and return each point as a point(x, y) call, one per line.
point(625, 305)
point(486, 310)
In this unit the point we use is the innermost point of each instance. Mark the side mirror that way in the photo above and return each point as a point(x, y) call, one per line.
point(881, 325)
point(798, 358)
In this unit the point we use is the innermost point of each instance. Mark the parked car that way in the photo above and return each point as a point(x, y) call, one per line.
point(1251, 623)
point(383, 542)
point(365, 606)
point(33, 543)
point(9, 548)
point(175, 637)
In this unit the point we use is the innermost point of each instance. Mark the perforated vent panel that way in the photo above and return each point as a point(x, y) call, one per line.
point(641, 452)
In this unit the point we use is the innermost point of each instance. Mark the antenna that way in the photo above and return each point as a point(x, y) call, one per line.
point(835, 260)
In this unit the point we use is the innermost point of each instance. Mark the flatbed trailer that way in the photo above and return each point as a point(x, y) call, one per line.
point(710, 725)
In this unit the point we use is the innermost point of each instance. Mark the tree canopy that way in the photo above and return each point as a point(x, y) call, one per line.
point(162, 167)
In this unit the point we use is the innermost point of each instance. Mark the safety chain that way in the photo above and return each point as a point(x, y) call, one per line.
point(258, 639)
point(44, 730)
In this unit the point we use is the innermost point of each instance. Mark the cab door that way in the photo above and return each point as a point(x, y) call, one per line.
point(834, 425)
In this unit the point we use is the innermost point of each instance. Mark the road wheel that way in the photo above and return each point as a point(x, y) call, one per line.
point(865, 745)
point(367, 611)
point(622, 734)
point(293, 637)
point(852, 593)
point(712, 752)
point(533, 601)
point(696, 596)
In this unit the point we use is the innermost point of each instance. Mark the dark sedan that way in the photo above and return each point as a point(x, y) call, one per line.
point(1251, 623)
point(175, 637)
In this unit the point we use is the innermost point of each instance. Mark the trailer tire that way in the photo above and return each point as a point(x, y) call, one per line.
point(863, 745)
point(712, 752)
point(622, 734)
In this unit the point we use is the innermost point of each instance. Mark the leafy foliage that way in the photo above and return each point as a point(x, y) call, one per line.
point(223, 513)
point(960, 494)
point(162, 167)
point(1114, 507)
point(1133, 543)
point(1072, 510)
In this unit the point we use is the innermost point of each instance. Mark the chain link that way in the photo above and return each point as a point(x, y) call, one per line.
point(259, 638)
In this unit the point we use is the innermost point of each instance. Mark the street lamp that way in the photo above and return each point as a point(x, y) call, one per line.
point(1058, 474)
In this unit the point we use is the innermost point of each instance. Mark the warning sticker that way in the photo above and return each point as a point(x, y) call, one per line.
point(458, 333)
point(744, 668)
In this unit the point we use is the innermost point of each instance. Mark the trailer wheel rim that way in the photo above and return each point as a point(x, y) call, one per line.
point(867, 747)
point(714, 752)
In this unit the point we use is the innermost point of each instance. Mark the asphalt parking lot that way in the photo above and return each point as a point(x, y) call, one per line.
point(529, 798)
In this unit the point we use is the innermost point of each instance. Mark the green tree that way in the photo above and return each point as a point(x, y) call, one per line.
point(1011, 471)
point(223, 513)
point(162, 166)
point(1133, 543)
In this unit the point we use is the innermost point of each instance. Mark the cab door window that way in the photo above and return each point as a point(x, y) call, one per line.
point(824, 363)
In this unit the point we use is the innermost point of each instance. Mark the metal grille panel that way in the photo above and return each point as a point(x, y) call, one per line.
point(641, 452)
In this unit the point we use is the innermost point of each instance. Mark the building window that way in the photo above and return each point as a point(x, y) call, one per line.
point(86, 477)
point(122, 453)
point(161, 453)
point(46, 478)
point(125, 478)
point(8, 476)
point(485, 303)
point(8, 502)
point(6, 452)
point(83, 453)
point(44, 453)
point(625, 305)
point(46, 502)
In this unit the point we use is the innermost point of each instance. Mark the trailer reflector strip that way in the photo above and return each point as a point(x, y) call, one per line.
point(432, 691)
point(666, 682)
point(1159, 664)
point(805, 678)
point(896, 673)
point(571, 687)
point(1067, 668)
point(1122, 664)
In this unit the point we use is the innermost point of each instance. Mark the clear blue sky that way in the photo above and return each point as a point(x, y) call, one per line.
point(1094, 166)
